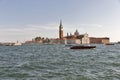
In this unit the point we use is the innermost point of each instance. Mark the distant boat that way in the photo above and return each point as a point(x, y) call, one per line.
point(118, 42)
point(17, 44)
point(8, 44)
point(82, 47)
point(110, 44)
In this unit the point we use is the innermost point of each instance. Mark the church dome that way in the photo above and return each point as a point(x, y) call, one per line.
point(76, 33)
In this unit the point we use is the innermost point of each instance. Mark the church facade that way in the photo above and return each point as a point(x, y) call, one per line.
point(75, 38)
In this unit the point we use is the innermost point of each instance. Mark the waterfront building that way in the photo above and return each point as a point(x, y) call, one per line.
point(77, 38)
point(57, 41)
point(103, 40)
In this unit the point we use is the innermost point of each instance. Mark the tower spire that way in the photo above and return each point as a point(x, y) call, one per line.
point(60, 23)
point(61, 30)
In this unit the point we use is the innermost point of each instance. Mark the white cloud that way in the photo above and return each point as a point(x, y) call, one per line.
point(82, 28)
point(91, 25)
point(30, 31)
point(27, 32)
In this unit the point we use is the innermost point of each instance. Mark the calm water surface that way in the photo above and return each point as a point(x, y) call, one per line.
point(57, 62)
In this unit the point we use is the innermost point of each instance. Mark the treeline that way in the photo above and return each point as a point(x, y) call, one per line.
point(41, 39)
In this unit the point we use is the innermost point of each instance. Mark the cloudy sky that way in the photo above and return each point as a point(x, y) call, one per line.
point(25, 19)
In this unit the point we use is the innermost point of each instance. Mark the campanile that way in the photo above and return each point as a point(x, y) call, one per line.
point(60, 30)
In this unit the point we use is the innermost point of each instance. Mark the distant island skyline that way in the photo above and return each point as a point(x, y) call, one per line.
point(23, 20)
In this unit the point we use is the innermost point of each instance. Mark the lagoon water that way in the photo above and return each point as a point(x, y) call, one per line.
point(57, 62)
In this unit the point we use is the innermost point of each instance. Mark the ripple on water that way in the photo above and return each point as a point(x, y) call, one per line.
point(56, 62)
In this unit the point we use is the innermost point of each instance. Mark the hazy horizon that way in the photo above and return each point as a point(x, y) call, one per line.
point(25, 19)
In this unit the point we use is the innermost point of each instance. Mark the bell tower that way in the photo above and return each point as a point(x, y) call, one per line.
point(60, 30)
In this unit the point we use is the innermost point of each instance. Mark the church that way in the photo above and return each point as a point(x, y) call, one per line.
point(75, 38)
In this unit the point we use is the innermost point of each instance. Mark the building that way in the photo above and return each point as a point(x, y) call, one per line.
point(104, 40)
point(77, 38)
point(57, 41)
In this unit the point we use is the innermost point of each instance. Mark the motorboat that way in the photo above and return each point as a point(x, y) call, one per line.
point(83, 47)
point(109, 44)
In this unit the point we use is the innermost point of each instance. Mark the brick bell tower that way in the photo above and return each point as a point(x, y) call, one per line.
point(60, 30)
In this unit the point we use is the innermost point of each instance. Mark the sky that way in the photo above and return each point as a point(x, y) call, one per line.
point(25, 19)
